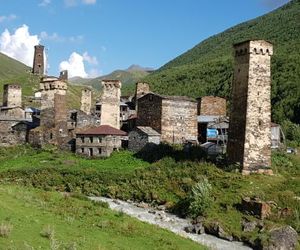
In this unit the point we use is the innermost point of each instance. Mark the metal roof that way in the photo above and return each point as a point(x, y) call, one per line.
point(148, 130)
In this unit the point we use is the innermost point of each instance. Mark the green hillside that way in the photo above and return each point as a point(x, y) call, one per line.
point(207, 68)
point(10, 67)
point(127, 77)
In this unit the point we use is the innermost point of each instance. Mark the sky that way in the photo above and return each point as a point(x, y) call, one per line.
point(95, 37)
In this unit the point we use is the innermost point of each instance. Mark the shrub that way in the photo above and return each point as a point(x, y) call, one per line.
point(5, 229)
point(200, 199)
point(47, 232)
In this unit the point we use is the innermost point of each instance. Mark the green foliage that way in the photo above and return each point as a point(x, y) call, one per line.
point(292, 132)
point(207, 68)
point(200, 199)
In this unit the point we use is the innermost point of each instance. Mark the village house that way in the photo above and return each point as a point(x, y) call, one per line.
point(141, 137)
point(99, 141)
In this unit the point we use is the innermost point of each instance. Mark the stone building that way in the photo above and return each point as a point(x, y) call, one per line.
point(99, 141)
point(212, 106)
point(174, 117)
point(86, 101)
point(110, 103)
point(38, 60)
point(49, 86)
point(141, 137)
point(141, 89)
point(249, 141)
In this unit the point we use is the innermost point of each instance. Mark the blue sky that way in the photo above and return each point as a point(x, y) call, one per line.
point(92, 37)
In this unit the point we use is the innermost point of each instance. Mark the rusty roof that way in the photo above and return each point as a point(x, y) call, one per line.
point(102, 130)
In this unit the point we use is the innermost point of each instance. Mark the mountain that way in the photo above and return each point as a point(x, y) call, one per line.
point(207, 68)
point(10, 67)
point(128, 77)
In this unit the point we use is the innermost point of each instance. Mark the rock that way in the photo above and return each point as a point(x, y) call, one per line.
point(161, 207)
point(195, 228)
point(142, 205)
point(256, 207)
point(215, 229)
point(285, 212)
point(249, 226)
point(152, 211)
point(282, 238)
point(199, 219)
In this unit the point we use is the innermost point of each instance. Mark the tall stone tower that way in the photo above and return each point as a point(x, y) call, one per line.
point(249, 140)
point(38, 60)
point(63, 76)
point(86, 100)
point(110, 108)
point(12, 95)
point(141, 89)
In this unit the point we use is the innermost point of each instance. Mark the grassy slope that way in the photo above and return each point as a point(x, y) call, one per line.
point(207, 68)
point(167, 181)
point(77, 224)
point(10, 67)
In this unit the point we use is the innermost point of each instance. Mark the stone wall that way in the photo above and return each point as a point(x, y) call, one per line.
point(150, 111)
point(12, 133)
point(212, 105)
point(110, 108)
point(86, 100)
point(250, 120)
point(97, 146)
point(138, 140)
point(179, 121)
point(49, 87)
point(12, 95)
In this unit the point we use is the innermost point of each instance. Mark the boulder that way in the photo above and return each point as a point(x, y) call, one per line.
point(216, 230)
point(256, 207)
point(282, 238)
point(249, 226)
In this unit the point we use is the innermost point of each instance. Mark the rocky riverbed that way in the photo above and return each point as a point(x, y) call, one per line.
point(170, 222)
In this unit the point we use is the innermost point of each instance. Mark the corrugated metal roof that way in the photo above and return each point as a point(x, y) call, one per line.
point(103, 130)
point(148, 130)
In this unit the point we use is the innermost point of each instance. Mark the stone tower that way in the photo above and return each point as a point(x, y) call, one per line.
point(249, 140)
point(12, 95)
point(141, 89)
point(49, 86)
point(38, 60)
point(63, 76)
point(86, 101)
point(110, 103)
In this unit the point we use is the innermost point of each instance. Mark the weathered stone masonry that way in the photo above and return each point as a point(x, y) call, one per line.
point(174, 117)
point(250, 119)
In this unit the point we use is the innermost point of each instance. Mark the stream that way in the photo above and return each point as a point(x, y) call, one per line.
point(170, 222)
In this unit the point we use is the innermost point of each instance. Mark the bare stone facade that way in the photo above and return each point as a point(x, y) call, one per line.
point(175, 118)
point(110, 103)
point(141, 137)
point(63, 76)
point(212, 105)
point(12, 132)
point(38, 60)
point(250, 120)
point(141, 89)
point(48, 87)
point(12, 95)
point(86, 101)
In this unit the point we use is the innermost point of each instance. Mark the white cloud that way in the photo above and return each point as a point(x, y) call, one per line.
point(8, 18)
point(90, 59)
point(19, 45)
point(58, 38)
point(76, 67)
point(72, 3)
point(44, 3)
point(89, 1)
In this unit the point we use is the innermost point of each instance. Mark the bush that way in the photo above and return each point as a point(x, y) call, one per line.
point(5, 229)
point(200, 199)
point(292, 132)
